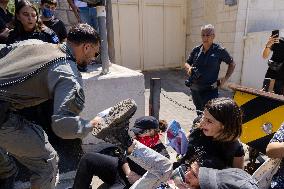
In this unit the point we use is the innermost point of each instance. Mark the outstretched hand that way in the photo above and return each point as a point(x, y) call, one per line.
point(132, 177)
point(96, 122)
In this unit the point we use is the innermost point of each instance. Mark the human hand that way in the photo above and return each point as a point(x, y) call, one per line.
point(272, 39)
point(96, 122)
point(187, 68)
point(132, 177)
point(5, 33)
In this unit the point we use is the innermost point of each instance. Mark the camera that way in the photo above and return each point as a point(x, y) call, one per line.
point(195, 75)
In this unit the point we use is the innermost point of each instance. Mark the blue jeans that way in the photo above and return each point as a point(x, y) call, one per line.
point(89, 15)
point(201, 97)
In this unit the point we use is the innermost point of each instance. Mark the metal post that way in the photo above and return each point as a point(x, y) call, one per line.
point(154, 100)
point(101, 14)
point(110, 34)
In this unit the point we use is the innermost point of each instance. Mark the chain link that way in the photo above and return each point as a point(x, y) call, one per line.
point(175, 102)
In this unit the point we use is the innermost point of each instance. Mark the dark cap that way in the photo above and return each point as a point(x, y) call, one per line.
point(226, 178)
point(144, 123)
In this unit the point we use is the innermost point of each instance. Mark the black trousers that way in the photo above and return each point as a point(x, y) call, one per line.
point(105, 167)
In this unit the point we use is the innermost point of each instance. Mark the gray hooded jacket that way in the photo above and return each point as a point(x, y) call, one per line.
point(32, 72)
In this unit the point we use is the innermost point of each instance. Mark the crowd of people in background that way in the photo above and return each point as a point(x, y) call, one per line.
point(210, 156)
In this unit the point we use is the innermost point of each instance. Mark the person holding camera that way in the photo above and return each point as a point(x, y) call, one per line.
point(276, 69)
point(203, 66)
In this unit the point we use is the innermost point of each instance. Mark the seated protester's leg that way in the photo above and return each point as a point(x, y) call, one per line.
point(159, 168)
point(8, 170)
point(103, 166)
point(29, 144)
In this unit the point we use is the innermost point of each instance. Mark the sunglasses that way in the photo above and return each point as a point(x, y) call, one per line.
point(206, 35)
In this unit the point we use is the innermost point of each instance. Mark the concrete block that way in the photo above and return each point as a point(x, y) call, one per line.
point(103, 91)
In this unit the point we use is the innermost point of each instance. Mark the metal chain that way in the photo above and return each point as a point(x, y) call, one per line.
point(175, 102)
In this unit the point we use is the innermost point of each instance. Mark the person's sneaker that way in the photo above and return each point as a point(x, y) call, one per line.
point(112, 117)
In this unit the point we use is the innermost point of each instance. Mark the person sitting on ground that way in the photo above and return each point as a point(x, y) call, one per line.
point(28, 25)
point(275, 149)
point(210, 174)
point(48, 8)
point(147, 131)
point(119, 171)
point(218, 133)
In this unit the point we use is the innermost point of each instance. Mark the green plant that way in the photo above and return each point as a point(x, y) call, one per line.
point(11, 6)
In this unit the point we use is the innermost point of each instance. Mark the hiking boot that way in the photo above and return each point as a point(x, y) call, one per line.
point(118, 136)
point(112, 117)
point(115, 124)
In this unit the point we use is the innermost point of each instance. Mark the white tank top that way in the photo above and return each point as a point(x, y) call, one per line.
point(80, 3)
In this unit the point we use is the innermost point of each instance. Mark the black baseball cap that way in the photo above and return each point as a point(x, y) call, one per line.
point(144, 123)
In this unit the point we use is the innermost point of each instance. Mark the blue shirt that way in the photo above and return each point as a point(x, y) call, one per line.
point(208, 64)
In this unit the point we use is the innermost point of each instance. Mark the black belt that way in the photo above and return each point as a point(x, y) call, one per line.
point(204, 87)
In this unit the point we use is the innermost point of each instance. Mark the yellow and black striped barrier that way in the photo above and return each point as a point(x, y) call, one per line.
point(263, 115)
